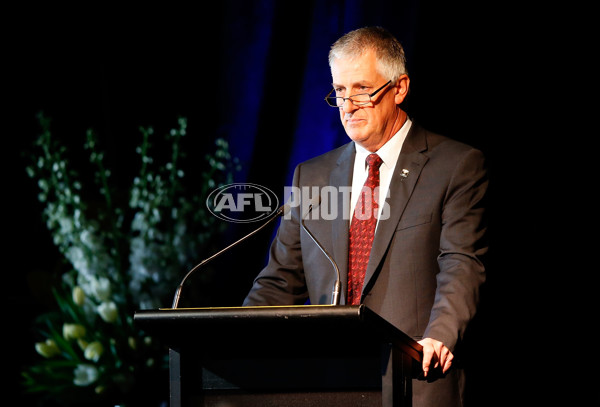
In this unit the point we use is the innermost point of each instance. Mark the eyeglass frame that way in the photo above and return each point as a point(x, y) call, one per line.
point(351, 96)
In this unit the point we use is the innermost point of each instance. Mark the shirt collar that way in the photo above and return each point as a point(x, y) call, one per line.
point(389, 151)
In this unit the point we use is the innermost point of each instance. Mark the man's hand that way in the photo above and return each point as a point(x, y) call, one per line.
point(435, 355)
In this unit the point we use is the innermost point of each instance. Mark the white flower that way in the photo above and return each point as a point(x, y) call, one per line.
point(85, 375)
point(82, 344)
point(77, 258)
point(100, 288)
point(139, 221)
point(77, 218)
point(73, 331)
point(88, 238)
point(78, 295)
point(47, 349)
point(93, 351)
point(66, 226)
point(108, 311)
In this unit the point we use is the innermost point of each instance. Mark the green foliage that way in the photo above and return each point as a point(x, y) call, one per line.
point(123, 255)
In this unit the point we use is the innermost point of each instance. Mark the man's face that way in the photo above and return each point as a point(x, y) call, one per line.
point(373, 124)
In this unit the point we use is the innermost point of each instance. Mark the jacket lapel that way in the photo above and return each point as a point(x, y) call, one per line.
point(402, 185)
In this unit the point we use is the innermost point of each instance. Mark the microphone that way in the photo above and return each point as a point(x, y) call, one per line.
point(283, 210)
point(335, 294)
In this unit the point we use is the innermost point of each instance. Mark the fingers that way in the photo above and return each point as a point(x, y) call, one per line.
point(445, 359)
point(428, 355)
point(435, 356)
point(448, 362)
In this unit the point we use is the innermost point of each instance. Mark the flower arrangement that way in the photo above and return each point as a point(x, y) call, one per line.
point(121, 257)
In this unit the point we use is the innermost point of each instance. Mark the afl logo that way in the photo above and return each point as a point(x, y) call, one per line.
point(242, 203)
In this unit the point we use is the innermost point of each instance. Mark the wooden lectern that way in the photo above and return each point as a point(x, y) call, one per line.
point(314, 355)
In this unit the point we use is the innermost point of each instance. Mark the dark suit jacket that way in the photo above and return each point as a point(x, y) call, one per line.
point(425, 267)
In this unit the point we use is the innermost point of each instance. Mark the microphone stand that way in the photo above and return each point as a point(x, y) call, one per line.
point(335, 294)
point(283, 209)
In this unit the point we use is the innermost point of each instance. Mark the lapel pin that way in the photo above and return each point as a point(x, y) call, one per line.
point(404, 173)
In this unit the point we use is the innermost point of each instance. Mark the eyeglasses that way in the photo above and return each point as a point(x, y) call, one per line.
point(358, 100)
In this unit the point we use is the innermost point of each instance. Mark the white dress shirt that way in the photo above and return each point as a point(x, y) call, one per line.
point(389, 153)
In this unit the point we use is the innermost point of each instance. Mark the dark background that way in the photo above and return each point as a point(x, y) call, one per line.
point(255, 72)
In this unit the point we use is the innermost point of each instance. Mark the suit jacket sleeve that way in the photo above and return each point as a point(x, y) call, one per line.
point(462, 247)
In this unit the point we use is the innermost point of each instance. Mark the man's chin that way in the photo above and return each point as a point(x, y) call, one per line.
point(356, 136)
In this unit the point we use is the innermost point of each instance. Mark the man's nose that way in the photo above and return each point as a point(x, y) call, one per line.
point(348, 106)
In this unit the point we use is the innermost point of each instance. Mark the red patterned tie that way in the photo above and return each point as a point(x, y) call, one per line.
point(362, 231)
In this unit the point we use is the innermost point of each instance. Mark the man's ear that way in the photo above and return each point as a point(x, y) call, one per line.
point(401, 88)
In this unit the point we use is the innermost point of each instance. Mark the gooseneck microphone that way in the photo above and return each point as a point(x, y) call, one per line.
point(283, 210)
point(335, 294)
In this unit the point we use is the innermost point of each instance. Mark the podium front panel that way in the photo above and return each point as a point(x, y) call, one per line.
point(292, 356)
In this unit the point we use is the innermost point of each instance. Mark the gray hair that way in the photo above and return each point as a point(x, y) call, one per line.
point(391, 62)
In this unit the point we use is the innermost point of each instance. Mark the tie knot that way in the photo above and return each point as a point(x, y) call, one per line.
point(374, 161)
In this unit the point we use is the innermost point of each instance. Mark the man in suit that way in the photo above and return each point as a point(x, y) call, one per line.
point(423, 264)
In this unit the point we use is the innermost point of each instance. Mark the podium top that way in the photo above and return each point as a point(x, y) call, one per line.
point(298, 323)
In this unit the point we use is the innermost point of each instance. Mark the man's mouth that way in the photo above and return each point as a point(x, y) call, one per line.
point(350, 119)
point(354, 120)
